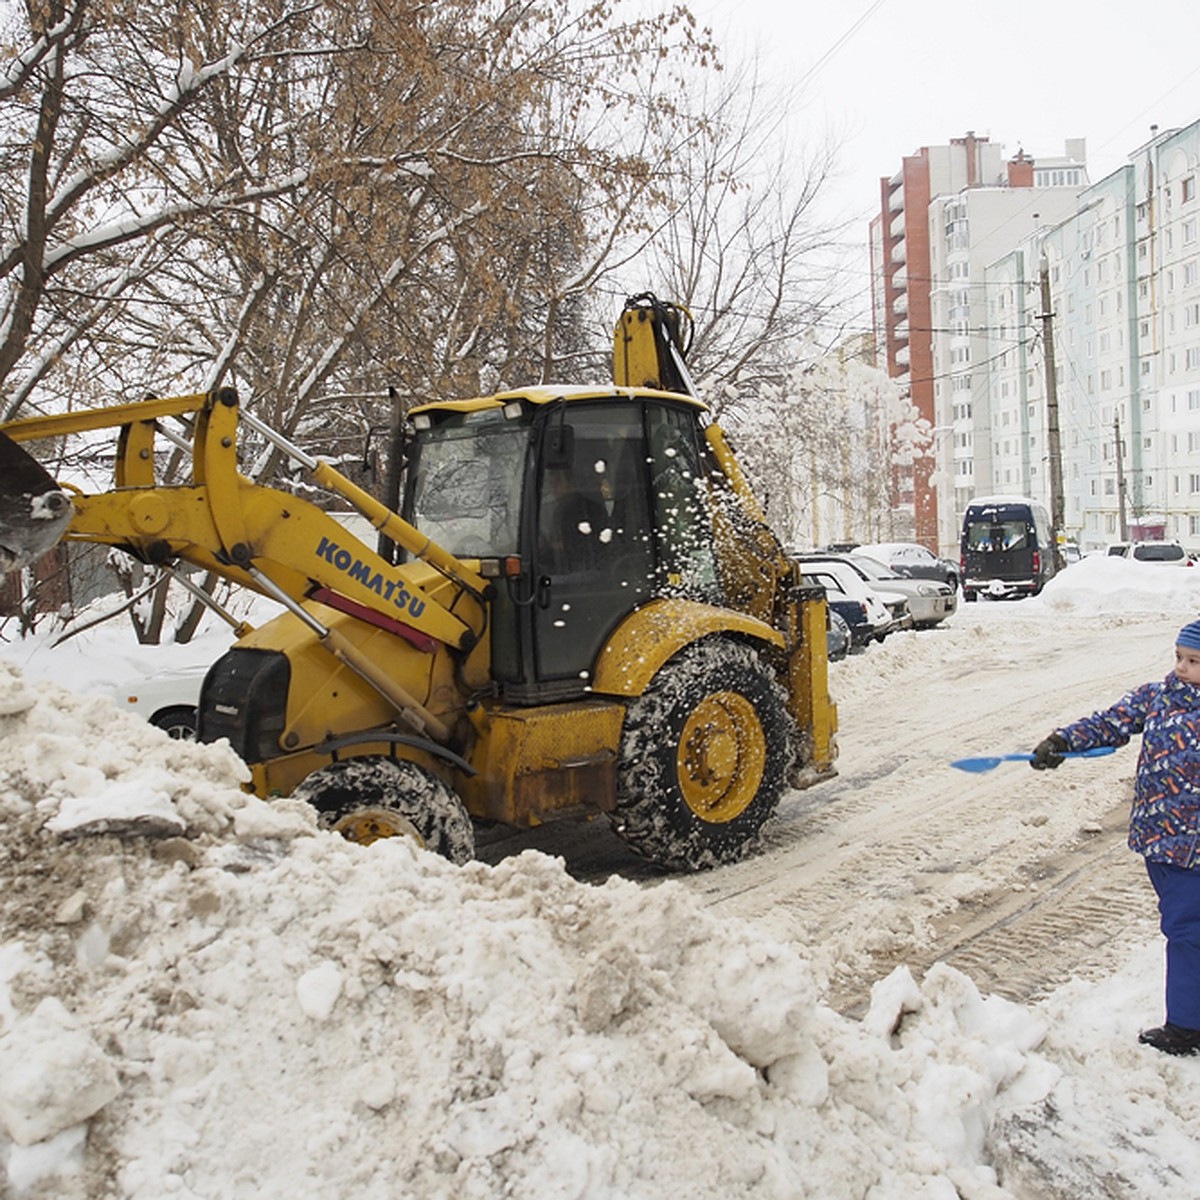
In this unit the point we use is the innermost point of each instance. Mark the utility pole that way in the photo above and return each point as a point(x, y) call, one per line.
point(1054, 443)
point(1120, 480)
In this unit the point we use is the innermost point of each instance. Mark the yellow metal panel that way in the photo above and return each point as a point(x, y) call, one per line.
point(135, 455)
point(28, 429)
point(635, 352)
point(553, 395)
point(534, 763)
point(649, 636)
point(281, 776)
point(326, 697)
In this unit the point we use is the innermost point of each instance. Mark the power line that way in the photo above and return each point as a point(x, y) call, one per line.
point(838, 44)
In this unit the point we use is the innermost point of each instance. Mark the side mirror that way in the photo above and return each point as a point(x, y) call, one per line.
point(558, 446)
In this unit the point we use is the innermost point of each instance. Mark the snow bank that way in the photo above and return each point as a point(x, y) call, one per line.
point(241, 1006)
point(1100, 584)
point(201, 995)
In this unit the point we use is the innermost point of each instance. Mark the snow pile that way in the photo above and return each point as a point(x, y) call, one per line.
point(1100, 584)
point(241, 1005)
point(201, 995)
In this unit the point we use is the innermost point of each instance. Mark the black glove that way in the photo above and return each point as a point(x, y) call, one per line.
point(1048, 752)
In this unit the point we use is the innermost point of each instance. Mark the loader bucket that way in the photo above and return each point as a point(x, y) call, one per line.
point(34, 510)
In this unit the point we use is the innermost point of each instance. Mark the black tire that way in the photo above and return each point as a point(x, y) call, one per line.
point(969, 596)
point(705, 755)
point(179, 721)
point(369, 798)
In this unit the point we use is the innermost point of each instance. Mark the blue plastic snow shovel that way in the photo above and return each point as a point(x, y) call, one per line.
point(978, 765)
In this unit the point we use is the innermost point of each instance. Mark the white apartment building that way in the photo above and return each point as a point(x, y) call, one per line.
point(968, 230)
point(1124, 274)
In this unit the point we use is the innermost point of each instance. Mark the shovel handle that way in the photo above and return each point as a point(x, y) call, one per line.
point(990, 762)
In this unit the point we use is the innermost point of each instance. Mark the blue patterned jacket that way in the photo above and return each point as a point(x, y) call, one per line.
point(1164, 824)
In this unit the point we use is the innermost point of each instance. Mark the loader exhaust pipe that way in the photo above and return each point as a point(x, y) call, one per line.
point(34, 510)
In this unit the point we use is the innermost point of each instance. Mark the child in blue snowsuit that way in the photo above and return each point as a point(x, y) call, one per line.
point(1164, 825)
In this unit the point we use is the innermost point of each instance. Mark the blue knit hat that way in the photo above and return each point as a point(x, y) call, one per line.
point(1189, 636)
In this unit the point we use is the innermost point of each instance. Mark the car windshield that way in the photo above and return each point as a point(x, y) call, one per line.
point(992, 537)
point(465, 487)
point(872, 568)
point(1158, 552)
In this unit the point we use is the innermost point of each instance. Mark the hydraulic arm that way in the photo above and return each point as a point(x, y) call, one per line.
point(262, 538)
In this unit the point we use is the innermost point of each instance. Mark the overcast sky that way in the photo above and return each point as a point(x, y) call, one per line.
point(893, 75)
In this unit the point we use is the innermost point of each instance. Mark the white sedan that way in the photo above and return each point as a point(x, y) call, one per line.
point(168, 699)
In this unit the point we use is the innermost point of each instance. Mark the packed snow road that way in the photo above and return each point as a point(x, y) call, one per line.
point(1019, 878)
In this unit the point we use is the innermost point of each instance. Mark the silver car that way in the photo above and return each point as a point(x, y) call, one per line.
point(929, 601)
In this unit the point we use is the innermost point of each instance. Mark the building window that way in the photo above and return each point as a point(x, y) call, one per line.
point(1187, 191)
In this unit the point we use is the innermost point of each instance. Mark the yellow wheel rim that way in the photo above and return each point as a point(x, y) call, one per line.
point(367, 825)
point(721, 757)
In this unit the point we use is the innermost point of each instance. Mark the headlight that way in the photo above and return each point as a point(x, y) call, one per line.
point(927, 590)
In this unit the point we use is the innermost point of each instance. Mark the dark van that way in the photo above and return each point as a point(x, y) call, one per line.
point(1007, 547)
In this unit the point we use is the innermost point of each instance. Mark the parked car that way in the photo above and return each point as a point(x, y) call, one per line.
point(866, 612)
point(837, 636)
point(929, 601)
point(913, 560)
point(168, 699)
point(913, 602)
point(1169, 554)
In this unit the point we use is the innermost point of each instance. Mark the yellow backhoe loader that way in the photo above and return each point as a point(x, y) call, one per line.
point(589, 614)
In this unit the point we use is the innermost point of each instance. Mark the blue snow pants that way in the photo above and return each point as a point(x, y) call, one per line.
point(1179, 907)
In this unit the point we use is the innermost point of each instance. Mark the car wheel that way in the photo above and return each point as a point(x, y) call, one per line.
point(365, 799)
point(179, 721)
point(969, 597)
point(705, 755)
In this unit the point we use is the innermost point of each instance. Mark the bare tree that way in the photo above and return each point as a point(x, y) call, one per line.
point(821, 444)
point(307, 197)
point(742, 243)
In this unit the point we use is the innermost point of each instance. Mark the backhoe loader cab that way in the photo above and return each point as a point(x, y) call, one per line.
point(589, 613)
point(590, 503)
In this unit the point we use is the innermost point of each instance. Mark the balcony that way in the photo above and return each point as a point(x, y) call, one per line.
point(899, 253)
point(900, 304)
point(897, 226)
